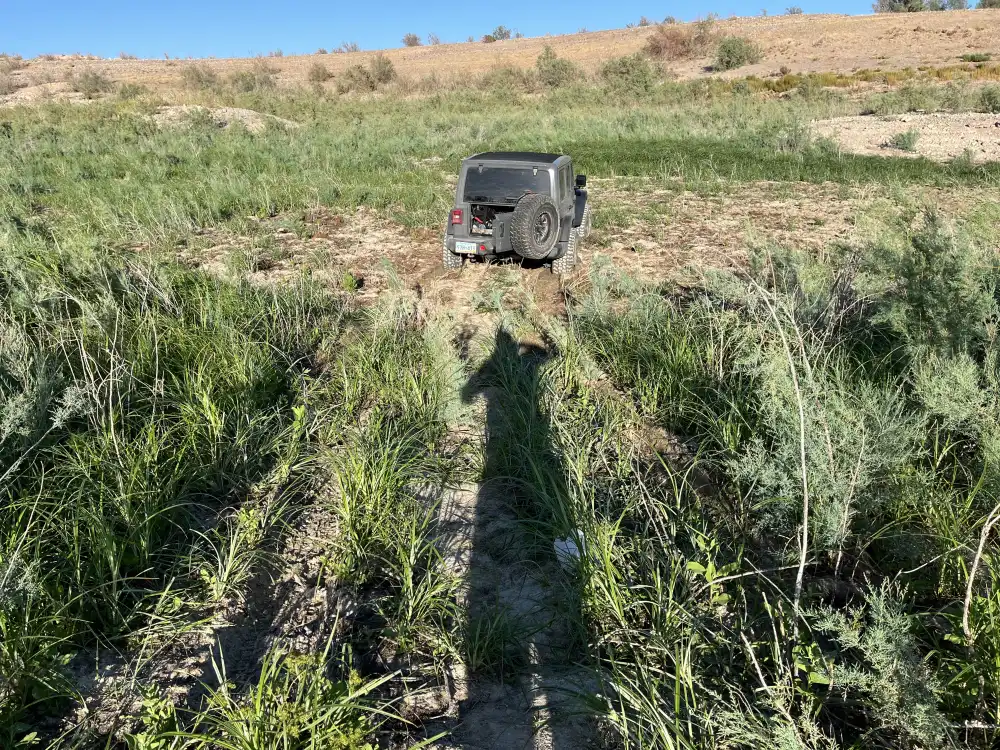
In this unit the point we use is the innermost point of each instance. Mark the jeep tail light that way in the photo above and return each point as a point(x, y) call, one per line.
point(456, 216)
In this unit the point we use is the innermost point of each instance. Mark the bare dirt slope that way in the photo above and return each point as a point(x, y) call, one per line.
point(800, 43)
point(939, 135)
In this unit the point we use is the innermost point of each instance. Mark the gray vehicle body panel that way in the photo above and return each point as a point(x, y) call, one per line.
point(570, 201)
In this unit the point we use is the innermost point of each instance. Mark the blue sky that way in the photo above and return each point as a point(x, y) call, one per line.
point(227, 28)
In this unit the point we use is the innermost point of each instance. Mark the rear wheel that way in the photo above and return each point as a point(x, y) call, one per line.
point(567, 262)
point(451, 260)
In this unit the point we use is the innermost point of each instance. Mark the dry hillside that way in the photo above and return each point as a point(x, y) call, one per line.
point(799, 43)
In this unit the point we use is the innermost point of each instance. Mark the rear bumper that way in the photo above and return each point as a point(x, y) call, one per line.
point(470, 246)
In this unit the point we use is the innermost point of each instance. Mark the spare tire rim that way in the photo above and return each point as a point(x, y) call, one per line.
point(543, 228)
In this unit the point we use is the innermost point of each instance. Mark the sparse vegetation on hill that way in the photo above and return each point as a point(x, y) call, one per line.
point(915, 6)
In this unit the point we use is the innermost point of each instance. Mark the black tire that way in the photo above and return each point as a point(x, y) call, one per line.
point(567, 262)
point(534, 226)
point(586, 222)
point(451, 260)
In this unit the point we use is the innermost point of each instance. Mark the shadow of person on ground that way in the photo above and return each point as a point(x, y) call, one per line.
point(517, 634)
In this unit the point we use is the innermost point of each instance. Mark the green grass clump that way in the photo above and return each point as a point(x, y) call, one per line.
point(977, 57)
point(905, 141)
point(144, 494)
point(294, 704)
point(735, 52)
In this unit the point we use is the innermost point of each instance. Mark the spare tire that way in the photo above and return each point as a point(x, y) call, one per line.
point(534, 227)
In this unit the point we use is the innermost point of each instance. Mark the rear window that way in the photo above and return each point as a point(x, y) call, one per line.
point(503, 184)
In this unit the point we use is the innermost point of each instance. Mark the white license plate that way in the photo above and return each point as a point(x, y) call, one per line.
point(466, 247)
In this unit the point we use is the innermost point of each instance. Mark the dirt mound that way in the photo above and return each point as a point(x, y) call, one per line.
point(939, 136)
point(43, 92)
point(222, 117)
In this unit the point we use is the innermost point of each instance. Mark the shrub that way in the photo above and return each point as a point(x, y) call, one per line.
point(126, 56)
point(260, 77)
point(130, 91)
point(356, 78)
point(276, 53)
point(977, 57)
point(508, 78)
point(488, 39)
point(898, 6)
point(794, 10)
point(501, 34)
point(882, 662)
point(319, 73)
point(631, 74)
point(553, 71)
point(669, 20)
point(8, 85)
point(939, 293)
point(734, 52)
point(433, 39)
point(411, 40)
point(643, 22)
point(989, 99)
point(906, 141)
point(382, 69)
point(348, 47)
point(681, 42)
point(199, 77)
point(321, 51)
point(90, 84)
point(988, 4)
point(9, 63)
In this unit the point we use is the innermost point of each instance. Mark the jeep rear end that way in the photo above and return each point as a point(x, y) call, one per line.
point(485, 200)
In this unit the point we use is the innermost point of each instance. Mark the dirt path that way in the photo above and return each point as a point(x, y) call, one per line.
point(503, 587)
point(514, 592)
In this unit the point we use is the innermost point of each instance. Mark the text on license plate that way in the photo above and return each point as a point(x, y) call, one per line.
point(466, 247)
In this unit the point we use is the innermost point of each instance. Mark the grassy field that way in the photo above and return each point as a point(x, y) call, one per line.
point(778, 481)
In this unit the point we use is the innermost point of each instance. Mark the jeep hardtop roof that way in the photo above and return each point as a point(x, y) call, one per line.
point(528, 156)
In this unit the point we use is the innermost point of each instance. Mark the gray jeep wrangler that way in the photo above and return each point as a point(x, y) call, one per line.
point(518, 203)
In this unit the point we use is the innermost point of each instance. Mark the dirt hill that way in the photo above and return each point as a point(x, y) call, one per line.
point(799, 43)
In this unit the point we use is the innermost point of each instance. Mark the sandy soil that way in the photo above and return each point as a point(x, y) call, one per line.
point(941, 136)
point(800, 43)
